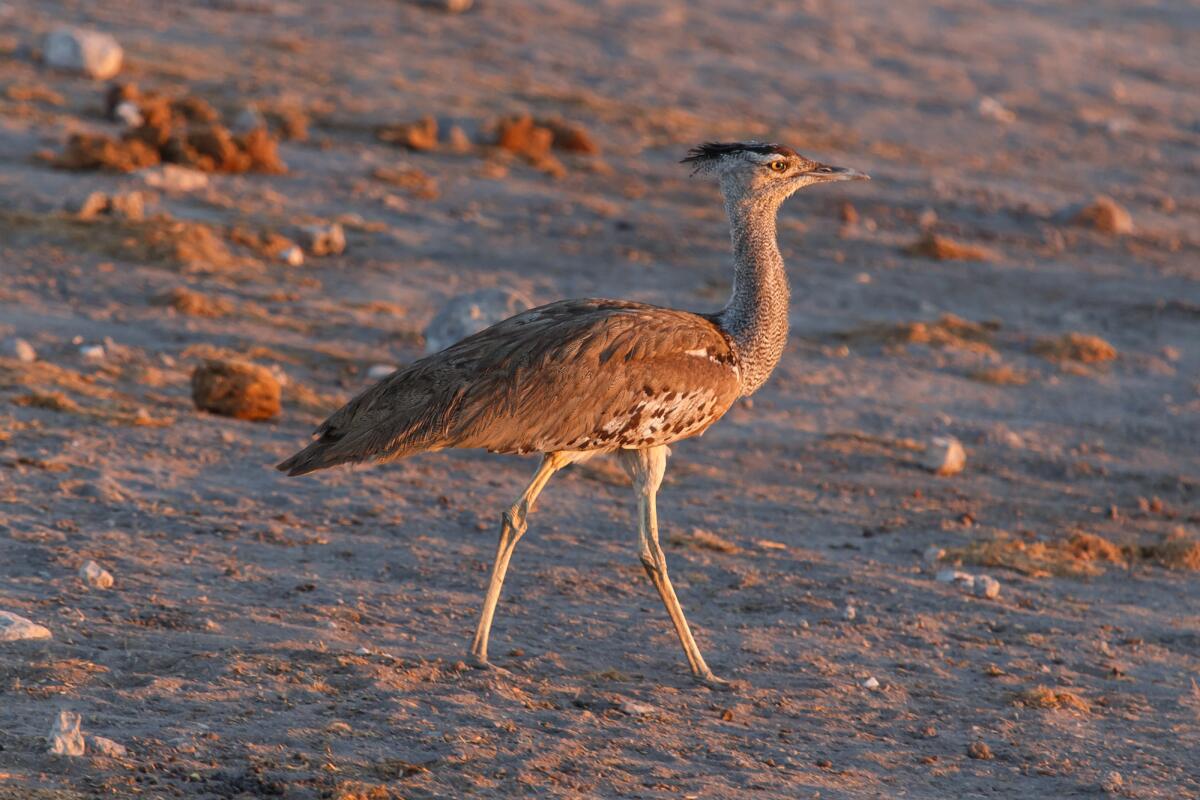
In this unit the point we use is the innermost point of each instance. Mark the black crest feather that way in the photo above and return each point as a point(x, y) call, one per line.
point(710, 152)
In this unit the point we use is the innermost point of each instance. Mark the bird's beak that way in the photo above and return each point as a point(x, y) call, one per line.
point(843, 174)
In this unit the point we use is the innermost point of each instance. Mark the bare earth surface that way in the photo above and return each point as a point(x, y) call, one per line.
point(302, 638)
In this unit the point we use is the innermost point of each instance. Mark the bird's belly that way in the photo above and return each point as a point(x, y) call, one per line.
point(652, 421)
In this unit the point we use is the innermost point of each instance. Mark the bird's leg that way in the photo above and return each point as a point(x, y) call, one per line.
point(512, 528)
point(646, 467)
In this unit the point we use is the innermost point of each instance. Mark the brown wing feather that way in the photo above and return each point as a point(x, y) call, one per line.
point(572, 375)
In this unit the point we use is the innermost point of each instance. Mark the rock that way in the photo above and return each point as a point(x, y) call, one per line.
point(848, 213)
point(65, 738)
point(849, 613)
point(457, 139)
point(380, 371)
point(236, 389)
point(19, 349)
point(92, 53)
point(292, 255)
point(15, 628)
point(979, 750)
point(570, 137)
point(871, 683)
point(944, 456)
point(92, 352)
point(174, 178)
point(993, 109)
point(89, 207)
point(95, 575)
point(128, 112)
point(1112, 783)
point(106, 747)
point(1105, 215)
point(956, 576)
point(987, 586)
point(470, 313)
point(636, 709)
point(933, 554)
point(324, 240)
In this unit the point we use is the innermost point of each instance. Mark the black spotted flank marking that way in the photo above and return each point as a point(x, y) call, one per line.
point(706, 153)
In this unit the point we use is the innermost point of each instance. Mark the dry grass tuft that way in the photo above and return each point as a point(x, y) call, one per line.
point(357, 790)
point(1080, 347)
point(1080, 555)
point(197, 304)
point(1176, 550)
point(50, 401)
point(1003, 375)
point(947, 331)
point(941, 248)
point(704, 540)
point(1045, 697)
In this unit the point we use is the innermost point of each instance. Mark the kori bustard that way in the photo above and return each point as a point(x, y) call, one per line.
point(579, 377)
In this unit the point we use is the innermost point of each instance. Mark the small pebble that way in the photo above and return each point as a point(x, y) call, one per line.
point(20, 349)
point(95, 575)
point(933, 554)
point(292, 256)
point(944, 456)
point(871, 683)
point(993, 109)
point(987, 586)
point(635, 709)
point(65, 738)
point(92, 352)
point(849, 613)
point(15, 628)
point(1113, 782)
point(128, 112)
point(174, 178)
point(324, 240)
point(470, 313)
point(380, 371)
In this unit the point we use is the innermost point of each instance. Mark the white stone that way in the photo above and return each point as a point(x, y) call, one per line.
point(65, 738)
point(95, 575)
point(324, 240)
point(92, 53)
point(871, 683)
point(292, 256)
point(20, 349)
point(128, 112)
point(636, 709)
point(987, 586)
point(92, 352)
point(15, 628)
point(959, 577)
point(993, 109)
point(849, 613)
point(106, 747)
point(380, 371)
point(174, 178)
point(470, 313)
point(944, 455)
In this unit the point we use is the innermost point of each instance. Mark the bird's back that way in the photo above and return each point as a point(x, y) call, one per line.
point(571, 375)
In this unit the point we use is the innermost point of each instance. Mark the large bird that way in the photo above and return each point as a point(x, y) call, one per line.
point(579, 377)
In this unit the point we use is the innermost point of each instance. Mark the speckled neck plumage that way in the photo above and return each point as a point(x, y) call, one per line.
point(756, 317)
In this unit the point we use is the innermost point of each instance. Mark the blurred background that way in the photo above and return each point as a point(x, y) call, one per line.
point(949, 548)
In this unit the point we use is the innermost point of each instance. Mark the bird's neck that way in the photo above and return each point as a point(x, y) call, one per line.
point(756, 317)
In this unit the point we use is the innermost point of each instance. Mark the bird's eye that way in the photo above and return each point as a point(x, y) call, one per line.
point(778, 166)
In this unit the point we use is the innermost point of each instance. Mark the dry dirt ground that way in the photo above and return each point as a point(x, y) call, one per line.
point(301, 638)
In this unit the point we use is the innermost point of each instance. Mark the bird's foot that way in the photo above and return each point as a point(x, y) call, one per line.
point(481, 663)
point(714, 683)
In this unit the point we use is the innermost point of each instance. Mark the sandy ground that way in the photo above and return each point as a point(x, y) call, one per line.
point(302, 638)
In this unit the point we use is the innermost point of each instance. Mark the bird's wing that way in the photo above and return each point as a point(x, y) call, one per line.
point(572, 375)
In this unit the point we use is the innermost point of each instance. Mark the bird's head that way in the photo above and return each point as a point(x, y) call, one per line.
point(759, 171)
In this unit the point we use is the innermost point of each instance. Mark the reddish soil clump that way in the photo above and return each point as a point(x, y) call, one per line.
point(236, 389)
